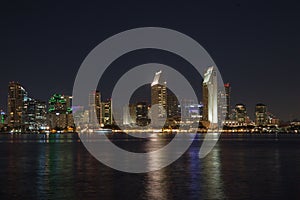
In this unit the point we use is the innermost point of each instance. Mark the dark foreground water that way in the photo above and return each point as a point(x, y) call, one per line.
point(239, 167)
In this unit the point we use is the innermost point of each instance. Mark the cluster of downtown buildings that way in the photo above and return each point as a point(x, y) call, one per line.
point(28, 115)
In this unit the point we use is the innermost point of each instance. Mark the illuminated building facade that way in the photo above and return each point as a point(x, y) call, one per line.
point(261, 116)
point(227, 101)
point(159, 94)
point(272, 120)
point(159, 99)
point(3, 117)
point(16, 96)
point(107, 118)
point(190, 110)
point(95, 108)
point(241, 113)
point(60, 113)
point(34, 115)
point(41, 115)
point(28, 116)
point(210, 97)
point(142, 114)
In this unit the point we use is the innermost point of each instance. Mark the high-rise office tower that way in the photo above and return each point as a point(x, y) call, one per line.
point(34, 115)
point(261, 116)
point(158, 100)
point(60, 115)
point(16, 96)
point(241, 113)
point(98, 106)
point(159, 94)
point(227, 100)
point(210, 97)
point(107, 118)
point(28, 115)
point(41, 114)
point(95, 107)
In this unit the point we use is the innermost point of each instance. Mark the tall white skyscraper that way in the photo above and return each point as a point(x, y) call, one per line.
point(210, 97)
point(159, 100)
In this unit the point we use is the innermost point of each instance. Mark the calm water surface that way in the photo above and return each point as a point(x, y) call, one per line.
point(239, 167)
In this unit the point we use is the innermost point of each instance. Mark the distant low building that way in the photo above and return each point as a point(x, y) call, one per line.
point(131, 118)
point(3, 120)
point(142, 118)
point(241, 113)
point(261, 116)
point(190, 111)
point(272, 120)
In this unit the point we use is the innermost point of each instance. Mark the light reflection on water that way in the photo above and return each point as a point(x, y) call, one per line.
point(156, 182)
point(212, 182)
point(236, 168)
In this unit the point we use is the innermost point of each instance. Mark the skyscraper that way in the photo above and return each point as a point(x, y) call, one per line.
point(107, 118)
point(159, 94)
point(28, 115)
point(34, 115)
point(60, 115)
point(158, 100)
point(41, 114)
point(210, 97)
point(16, 96)
point(227, 100)
point(261, 116)
point(95, 107)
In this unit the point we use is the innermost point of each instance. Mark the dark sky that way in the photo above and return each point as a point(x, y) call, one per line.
point(255, 44)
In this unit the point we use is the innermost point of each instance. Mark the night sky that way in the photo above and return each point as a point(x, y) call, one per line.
point(256, 45)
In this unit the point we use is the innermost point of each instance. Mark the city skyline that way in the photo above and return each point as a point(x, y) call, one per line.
point(25, 114)
point(147, 98)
